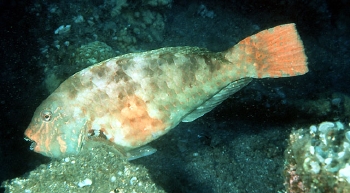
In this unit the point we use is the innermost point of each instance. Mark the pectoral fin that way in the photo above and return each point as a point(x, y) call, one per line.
point(217, 99)
point(140, 152)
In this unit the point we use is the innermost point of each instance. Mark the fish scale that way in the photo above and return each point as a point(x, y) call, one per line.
point(135, 98)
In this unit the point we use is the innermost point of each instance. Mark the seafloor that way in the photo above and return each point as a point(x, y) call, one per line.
point(238, 147)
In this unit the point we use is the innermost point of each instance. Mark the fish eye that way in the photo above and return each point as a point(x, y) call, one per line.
point(46, 115)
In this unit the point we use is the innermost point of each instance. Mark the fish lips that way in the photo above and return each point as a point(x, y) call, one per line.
point(33, 143)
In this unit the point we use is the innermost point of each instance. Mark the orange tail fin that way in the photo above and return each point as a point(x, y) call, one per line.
point(275, 52)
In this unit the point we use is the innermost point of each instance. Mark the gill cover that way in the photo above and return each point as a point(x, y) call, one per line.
point(57, 129)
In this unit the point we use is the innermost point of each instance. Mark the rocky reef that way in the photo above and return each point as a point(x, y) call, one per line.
point(99, 169)
point(317, 159)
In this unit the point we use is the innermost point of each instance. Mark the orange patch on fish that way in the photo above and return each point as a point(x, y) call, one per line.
point(137, 123)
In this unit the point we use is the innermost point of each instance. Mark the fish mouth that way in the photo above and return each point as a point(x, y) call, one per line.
point(32, 145)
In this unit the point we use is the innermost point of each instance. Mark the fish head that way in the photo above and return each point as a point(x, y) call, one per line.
point(58, 128)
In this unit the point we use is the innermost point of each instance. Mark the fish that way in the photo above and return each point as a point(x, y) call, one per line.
point(133, 99)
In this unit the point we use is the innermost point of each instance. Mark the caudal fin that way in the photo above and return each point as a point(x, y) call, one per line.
point(275, 52)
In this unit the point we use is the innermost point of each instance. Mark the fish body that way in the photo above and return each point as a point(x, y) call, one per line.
point(135, 98)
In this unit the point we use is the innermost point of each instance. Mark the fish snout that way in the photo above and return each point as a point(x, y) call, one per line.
point(32, 137)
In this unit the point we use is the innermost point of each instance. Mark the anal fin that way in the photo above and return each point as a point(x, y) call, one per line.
point(217, 99)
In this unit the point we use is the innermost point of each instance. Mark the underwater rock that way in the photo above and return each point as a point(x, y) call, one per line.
point(98, 169)
point(317, 158)
point(92, 53)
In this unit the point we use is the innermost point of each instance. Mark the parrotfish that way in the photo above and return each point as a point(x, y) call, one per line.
point(135, 98)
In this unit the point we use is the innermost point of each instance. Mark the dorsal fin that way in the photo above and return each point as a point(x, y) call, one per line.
point(217, 99)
